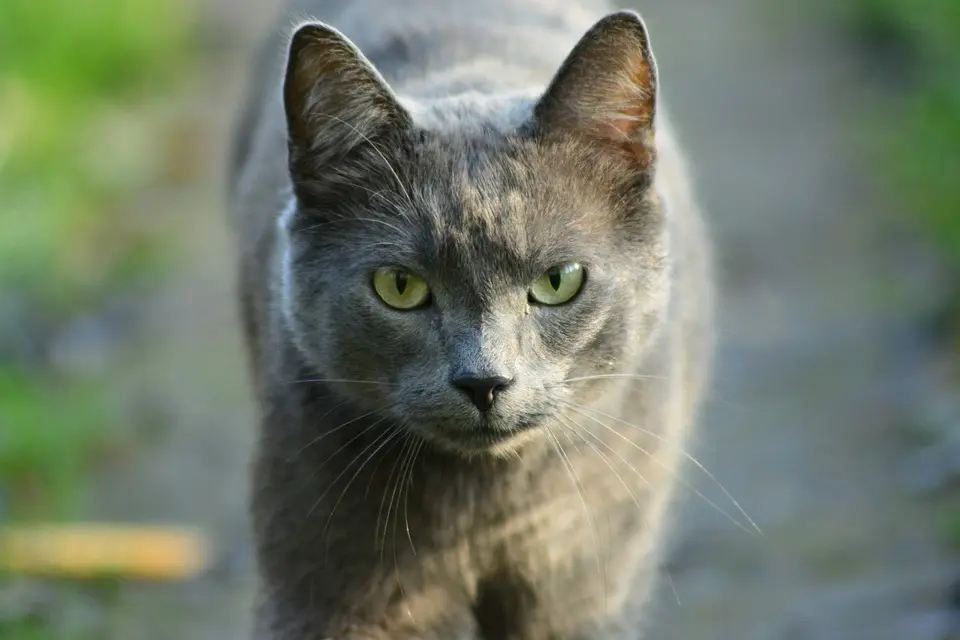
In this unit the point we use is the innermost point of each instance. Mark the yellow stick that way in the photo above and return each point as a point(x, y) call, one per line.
point(90, 550)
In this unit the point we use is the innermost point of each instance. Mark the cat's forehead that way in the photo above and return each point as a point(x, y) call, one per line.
point(482, 176)
point(491, 211)
point(493, 191)
point(451, 200)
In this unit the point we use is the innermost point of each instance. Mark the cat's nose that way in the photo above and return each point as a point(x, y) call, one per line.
point(482, 391)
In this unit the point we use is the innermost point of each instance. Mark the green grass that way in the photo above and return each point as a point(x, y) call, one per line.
point(74, 79)
point(918, 139)
point(68, 69)
point(949, 527)
point(45, 424)
point(24, 630)
point(918, 149)
point(924, 161)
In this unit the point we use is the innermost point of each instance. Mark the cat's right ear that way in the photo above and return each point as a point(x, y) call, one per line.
point(334, 98)
point(606, 89)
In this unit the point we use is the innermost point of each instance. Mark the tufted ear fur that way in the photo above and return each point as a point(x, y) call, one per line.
point(334, 98)
point(606, 89)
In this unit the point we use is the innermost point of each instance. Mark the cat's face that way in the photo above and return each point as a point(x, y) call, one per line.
point(463, 280)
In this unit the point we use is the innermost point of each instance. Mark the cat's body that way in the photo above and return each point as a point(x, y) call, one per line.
point(378, 512)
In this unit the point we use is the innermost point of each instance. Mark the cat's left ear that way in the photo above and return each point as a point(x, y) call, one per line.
point(334, 98)
point(606, 89)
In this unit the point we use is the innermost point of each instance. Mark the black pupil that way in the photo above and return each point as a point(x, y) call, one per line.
point(401, 282)
point(554, 276)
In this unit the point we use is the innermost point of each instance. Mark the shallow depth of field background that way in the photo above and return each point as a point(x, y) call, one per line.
point(825, 138)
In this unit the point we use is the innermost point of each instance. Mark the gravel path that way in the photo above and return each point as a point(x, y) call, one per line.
point(803, 430)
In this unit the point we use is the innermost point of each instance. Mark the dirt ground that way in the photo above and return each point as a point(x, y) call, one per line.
point(803, 429)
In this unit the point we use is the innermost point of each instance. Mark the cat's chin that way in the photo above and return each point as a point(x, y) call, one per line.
point(487, 442)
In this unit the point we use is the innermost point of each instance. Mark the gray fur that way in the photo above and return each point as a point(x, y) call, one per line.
point(477, 145)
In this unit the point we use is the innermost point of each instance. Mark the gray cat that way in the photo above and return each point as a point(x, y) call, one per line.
point(475, 292)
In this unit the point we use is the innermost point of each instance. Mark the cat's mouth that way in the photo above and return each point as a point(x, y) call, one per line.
point(486, 439)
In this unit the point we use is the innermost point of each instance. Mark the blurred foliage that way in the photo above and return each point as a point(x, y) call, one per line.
point(74, 156)
point(50, 426)
point(67, 150)
point(921, 136)
point(949, 526)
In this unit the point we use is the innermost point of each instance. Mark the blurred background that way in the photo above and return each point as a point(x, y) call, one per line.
point(825, 138)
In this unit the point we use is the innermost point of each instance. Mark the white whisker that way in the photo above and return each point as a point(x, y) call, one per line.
point(406, 468)
point(571, 472)
point(347, 468)
point(740, 407)
point(581, 411)
point(580, 430)
point(334, 430)
point(635, 376)
point(342, 380)
point(406, 498)
point(381, 441)
point(383, 499)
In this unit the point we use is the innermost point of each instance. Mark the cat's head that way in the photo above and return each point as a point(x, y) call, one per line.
point(462, 266)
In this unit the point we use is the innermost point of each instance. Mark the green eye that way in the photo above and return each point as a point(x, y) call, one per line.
point(558, 285)
point(400, 289)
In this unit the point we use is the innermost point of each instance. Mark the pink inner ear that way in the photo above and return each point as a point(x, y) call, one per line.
point(638, 95)
point(606, 90)
point(633, 121)
point(631, 130)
